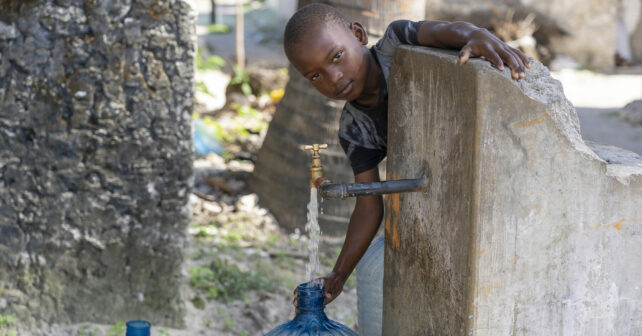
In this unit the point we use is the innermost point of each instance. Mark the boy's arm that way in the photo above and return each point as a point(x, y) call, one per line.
point(473, 42)
point(364, 223)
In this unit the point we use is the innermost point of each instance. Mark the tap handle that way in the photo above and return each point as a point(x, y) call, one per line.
point(314, 148)
point(316, 170)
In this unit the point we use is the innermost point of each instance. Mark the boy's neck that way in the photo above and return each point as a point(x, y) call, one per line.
point(370, 93)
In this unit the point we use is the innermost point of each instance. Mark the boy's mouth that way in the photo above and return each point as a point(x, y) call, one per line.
point(346, 89)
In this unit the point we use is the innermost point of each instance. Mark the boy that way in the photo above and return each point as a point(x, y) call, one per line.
point(331, 52)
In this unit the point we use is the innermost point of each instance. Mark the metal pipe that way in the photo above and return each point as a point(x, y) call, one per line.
point(329, 190)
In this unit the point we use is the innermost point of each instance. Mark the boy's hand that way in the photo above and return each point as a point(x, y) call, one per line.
point(332, 287)
point(484, 44)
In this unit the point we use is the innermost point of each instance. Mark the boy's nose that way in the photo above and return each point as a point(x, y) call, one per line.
point(337, 76)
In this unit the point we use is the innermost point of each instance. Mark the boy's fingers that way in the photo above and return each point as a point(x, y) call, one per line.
point(328, 298)
point(464, 54)
point(494, 58)
point(523, 57)
point(521, 68)
point(514, 63)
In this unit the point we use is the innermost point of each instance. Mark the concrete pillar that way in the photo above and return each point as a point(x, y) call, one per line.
point(526, 230)
point(95, 159)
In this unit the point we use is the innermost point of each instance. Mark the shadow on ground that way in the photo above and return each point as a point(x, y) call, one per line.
point(604, 126)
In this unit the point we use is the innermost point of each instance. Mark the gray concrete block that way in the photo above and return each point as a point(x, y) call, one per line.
point(526, 230)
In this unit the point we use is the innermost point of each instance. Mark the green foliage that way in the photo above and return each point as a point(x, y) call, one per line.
point(228, 156)
point(7, 323)
point(232, 238)
point(241, 127)
point(85, 331)
point(272, 240)
point(163, 331)
point(213, 62)
point(217, 28)
point(226, 282)
point(203, 234)
point(229, 323)
point(117, 329)
point(243, 78)
point(247, 110)
point(7, 320)
point(198, 302)
point(201, 277)
point(201, 87)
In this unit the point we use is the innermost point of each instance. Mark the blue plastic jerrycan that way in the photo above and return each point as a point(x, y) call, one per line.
point(311, 319)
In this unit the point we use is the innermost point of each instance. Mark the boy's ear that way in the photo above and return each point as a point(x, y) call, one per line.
point(359, 32)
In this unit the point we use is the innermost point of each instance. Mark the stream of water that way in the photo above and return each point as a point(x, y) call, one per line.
point(314, 232)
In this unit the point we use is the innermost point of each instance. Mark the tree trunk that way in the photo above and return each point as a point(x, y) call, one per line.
point(304, 116)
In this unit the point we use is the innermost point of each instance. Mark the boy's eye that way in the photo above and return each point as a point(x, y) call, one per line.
point(314, 77)
point(337, 56)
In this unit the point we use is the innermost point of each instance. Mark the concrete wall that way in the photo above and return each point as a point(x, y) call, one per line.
point(526, 230)
point(95, 159)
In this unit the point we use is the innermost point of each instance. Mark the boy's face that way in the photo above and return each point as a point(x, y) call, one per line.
point(333, 59)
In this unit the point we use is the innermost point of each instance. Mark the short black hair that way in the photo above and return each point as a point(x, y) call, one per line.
point(308, 17)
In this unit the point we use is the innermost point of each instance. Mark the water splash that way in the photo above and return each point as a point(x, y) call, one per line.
point(314, 232)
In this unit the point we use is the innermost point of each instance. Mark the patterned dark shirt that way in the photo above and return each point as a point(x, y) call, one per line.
point(363, 130)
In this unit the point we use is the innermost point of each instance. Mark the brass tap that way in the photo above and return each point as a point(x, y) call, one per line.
point(316, 170)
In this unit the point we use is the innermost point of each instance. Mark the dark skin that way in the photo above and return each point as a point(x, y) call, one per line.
point(338, 64)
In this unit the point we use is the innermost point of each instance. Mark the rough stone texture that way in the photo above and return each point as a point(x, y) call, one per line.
point(525, 230)
point(584, 30)
point(632, 112)
point(95, 159)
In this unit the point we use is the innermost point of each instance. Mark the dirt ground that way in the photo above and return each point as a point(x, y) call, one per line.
point(240, 267)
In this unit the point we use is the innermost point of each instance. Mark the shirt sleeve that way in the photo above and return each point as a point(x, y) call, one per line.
point(361, 159)
point(399, 32)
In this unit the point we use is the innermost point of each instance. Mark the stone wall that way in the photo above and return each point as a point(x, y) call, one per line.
point(95, 159)
point(525, 229)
